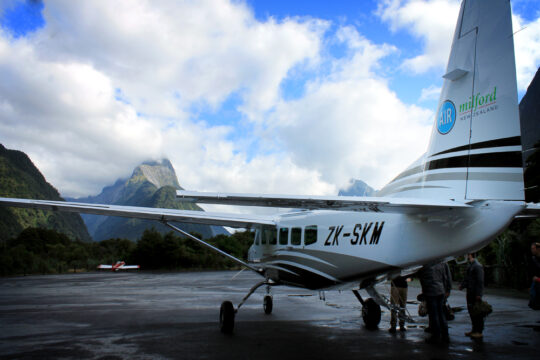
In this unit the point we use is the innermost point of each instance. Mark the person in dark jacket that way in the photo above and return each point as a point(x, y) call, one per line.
point(436, 282)
point(474, 283)
point(398, 298)
point(534, 271)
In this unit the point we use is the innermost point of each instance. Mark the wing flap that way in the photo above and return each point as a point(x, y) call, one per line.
point(159, 214)
point(353, 203)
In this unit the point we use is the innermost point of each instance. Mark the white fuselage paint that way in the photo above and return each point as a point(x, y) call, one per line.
point(349, 250)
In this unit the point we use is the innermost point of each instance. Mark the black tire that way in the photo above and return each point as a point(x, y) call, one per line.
point(226, 317)
point(371, 313)
point(268, 305)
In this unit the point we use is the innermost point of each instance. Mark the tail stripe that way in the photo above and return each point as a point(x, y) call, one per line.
point(510, 141)
point(495, 160)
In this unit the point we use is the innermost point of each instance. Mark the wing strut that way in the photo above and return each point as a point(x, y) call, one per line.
point(236, 260)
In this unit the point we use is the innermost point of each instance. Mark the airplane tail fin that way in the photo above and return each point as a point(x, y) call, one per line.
point(475, 146)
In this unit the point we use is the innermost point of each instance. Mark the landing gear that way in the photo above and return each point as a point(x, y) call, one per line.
point(267, 305)
point(226, 317)
point(371, 313)
point(371, 308)
point(227, 311)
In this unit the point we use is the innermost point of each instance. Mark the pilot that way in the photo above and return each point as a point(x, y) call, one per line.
point(474, 283)
point(534, 302)
point(436, 282)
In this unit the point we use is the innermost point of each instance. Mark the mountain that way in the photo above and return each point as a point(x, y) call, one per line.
point(152, 184)
point(20, 178)
point(357, 188)
point(529, 115)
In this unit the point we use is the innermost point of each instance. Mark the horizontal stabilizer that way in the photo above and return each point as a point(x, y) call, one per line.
point(531, 211)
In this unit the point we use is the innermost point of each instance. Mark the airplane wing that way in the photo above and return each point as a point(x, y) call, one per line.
point(356, 203)
point(196, 217)
point(129, 267)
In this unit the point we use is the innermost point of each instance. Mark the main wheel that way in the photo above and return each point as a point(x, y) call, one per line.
point(226, 317)
point(371, 313)
point(267, 304)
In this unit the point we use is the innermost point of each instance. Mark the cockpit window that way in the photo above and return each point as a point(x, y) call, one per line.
point(269, 235)
point(283, 236)
point(310, 235)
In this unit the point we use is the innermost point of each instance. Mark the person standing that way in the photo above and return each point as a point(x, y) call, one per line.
point(474, 283)
point(398, 298)
point(534, 301)
point(436, 284)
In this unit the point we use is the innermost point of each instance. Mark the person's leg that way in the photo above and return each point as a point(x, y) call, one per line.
point(394, 296)
point(442, 318)
point(431, 302)
point(403, 306)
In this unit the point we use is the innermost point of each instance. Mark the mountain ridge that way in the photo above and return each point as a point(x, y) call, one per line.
point(152, 184)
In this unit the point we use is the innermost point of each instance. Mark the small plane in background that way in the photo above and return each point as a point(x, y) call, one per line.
point(457, 197)
point(120, 265)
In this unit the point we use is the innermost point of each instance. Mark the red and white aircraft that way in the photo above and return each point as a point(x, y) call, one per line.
point(120, 265)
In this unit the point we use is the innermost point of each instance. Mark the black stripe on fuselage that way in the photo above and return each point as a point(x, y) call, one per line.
point(497, 159)
point(494, 160)
point(510, 141)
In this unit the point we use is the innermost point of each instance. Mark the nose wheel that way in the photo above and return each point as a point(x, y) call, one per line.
point(268, 304)
point(226, 317)
point(227, 311)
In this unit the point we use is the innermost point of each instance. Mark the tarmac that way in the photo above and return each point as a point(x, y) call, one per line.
point(144, 315)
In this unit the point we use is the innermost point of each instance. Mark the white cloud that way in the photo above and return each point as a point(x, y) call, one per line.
point(433, 23)
point(350, 124)
point(527, 48)
point(104, 86)
point(430, 93)
point(59, 90)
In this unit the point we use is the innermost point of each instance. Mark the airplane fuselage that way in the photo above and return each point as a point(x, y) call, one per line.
point(328, 249)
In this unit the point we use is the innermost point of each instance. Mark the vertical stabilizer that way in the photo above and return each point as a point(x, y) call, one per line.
point(475, 146)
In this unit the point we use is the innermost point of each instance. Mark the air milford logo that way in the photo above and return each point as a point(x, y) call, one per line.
point(479, 101)
point(446, 117)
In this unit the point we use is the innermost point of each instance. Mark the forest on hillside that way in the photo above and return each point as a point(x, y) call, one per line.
point(43, 251)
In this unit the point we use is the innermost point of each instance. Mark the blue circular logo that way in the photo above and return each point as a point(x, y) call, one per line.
point(446, 117)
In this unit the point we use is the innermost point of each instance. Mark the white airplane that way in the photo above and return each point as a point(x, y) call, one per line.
point(120, 265)
point(459, 195)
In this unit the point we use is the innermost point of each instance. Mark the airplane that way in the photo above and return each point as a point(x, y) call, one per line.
point(457, 197)
point(120, 265)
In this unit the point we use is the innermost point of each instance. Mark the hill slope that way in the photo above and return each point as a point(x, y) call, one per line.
point(20, 178)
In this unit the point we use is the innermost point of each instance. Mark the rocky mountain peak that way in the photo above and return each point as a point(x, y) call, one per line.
point(159, 173)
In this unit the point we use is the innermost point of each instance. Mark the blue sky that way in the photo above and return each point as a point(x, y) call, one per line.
point(258, 95)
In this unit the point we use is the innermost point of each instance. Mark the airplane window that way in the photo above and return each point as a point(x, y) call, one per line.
point(273, 238)
point(283, 236)
point(310, 235)
point(269, 236)
point(296, 236)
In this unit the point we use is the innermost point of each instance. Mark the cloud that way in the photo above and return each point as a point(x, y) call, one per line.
point(433, 23)
point(430, 21)
point(527, 48)
point(103, 86)
point(349, 124)
point(430, 93)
